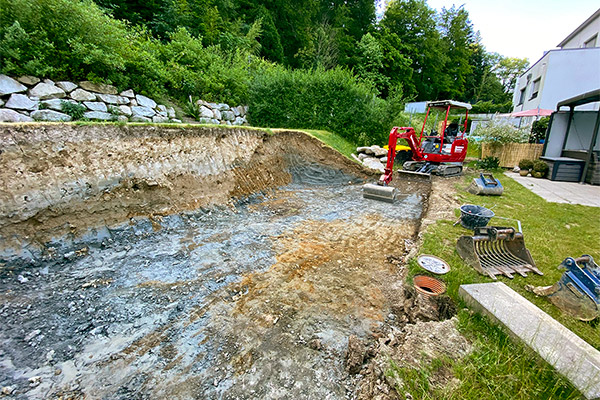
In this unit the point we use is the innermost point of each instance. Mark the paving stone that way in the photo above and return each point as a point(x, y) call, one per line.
point(572, 357)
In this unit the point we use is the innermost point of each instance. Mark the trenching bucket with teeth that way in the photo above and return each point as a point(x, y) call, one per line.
point(495, 250)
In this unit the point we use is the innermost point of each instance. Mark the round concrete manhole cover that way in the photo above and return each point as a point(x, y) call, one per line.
point(433, 264)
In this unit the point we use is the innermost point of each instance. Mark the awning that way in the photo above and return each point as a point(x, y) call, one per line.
point(534, 112)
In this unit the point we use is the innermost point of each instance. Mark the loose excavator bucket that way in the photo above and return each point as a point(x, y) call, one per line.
point(495, 250)
point(578, 290)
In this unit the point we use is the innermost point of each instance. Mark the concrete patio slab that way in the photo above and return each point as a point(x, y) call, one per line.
point(572, 357)
point(560, 192)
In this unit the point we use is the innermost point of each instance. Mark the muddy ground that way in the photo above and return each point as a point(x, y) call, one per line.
point(255, 297)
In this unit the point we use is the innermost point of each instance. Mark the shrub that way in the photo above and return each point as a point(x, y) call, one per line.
point(318, 99)
point(538, 130)
point(526, 165)
point(498, 133)
point(489, 163)
point(541, 167)
point(75, 110)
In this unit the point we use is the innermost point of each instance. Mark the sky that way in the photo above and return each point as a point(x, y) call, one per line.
point(523, 28)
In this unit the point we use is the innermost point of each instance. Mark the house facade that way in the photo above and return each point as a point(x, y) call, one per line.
point(572, 69)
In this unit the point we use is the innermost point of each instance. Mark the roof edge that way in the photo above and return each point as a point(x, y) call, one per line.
point(579, 28)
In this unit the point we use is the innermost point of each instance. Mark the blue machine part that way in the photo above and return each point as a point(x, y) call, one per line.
point(584, 274)
point(486, 184)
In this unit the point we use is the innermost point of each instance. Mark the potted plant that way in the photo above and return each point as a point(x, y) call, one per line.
point(540, 169)
point(524, 167)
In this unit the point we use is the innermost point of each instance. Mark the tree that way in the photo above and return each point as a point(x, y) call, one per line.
point(370, 65)
point(508, 71)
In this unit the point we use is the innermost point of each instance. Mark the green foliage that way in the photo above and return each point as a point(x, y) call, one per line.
point(191, 108)
point(526, 165)
point(498, 133)
point(540, 166)
point(538, 130)
point(489, 107)
point(489, 163)
point(322, 99)
point(75, 110)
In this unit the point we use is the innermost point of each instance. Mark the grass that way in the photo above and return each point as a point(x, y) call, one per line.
point(336, 141)
point(499, 367)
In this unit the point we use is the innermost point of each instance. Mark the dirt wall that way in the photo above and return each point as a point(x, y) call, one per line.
point(62, 179)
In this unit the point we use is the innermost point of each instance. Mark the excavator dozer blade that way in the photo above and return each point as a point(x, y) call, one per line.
point(380, 192)
point(495, 250)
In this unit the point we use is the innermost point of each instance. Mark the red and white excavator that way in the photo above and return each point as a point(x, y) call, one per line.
point(441, 152)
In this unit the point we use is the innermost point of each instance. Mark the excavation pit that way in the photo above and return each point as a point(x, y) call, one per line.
point(204, 264)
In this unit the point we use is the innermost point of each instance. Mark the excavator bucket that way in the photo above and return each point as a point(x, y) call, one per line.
point(380, 192)
point(486, 184)
point(495, 250)
point(578, 290)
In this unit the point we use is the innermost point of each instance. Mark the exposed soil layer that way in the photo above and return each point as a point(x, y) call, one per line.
point(241, 283)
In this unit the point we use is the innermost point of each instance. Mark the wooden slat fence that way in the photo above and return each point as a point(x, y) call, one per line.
point(511, 153)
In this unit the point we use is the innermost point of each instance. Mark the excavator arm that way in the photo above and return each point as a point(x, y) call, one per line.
point(396, 133)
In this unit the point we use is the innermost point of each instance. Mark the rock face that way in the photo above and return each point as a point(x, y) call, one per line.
point(50, 115)
point(103, 102)
point(8, 85)
point(7, 115)
point(45, 91)
point(98, 87)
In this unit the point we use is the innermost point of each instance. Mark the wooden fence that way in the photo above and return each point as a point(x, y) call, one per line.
point(511, 153)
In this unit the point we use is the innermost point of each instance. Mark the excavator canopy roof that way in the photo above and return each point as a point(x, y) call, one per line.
point(446, 103)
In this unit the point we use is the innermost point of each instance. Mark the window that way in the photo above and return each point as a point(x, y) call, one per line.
point(522, 96)
point(591, 42)
point(535, 89)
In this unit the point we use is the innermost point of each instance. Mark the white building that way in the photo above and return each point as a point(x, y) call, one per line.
point(572, 69)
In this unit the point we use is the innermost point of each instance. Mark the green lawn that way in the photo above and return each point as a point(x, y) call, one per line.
point(499, 367)
point(336, 141)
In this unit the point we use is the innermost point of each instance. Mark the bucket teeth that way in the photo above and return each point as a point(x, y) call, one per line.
point(505, 255)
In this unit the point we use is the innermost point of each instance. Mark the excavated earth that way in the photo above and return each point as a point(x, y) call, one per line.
point(143, 262)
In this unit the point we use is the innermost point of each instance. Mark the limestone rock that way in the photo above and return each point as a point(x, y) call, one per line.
point(122, 118)
point(373, 163)
point(163, 114)
point(56, 104)
point(362, 149)
point(228, 115)
point(142, 111)
point(96, 106)
point(378, 151)
point(103, 116)
point(8, 85)
point(205, 112)
point(145, 101)
point(46, 91)
point(108, 98)
point(50, 115)
point(159, 119)
point(239, 121)
point(49, 82)
point(223, 107)
point(203, 120)
point(214, 121)
point(19, 101)
point(217, 114)
point(177, 121)
point(139, 118)
point(161, 108)
point(98, 87)
point(171, 112)
point(236, 111)
point(66, 86)
point(82, 95)
point(127, 93)
point(362, 156)
point(126, 110)
point(122, 100)
point(28, 80)
point(7, 115)
point(133, 102)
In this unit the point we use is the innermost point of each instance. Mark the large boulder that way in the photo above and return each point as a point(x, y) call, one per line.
point(141, 111)
point(45, 91)
point(19, 101)
point(128, 93)
point(171, 112)
point(228, 115)
point(139, 118)
point(7, 115)
point(145, 101)
point(205, 112)
point(159, 119)
point(8, 86)
point(217, 114)
point(28, 80)
point(66, 86)
point(108, 98)
point(125, 110)
point(82, 95)
point(56, 104)
point(98, 87)
point(239, 121)
point(122, 100)
point(98, 115)
point(50, 115)
point(96, 106)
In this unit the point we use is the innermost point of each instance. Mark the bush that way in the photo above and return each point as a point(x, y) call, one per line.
point(318, 99)
point(498, 133)
point(540, 167)
point(526, 165)
point(75, 110)
point(538, 130)
point(489, 163)
point(489, 107)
